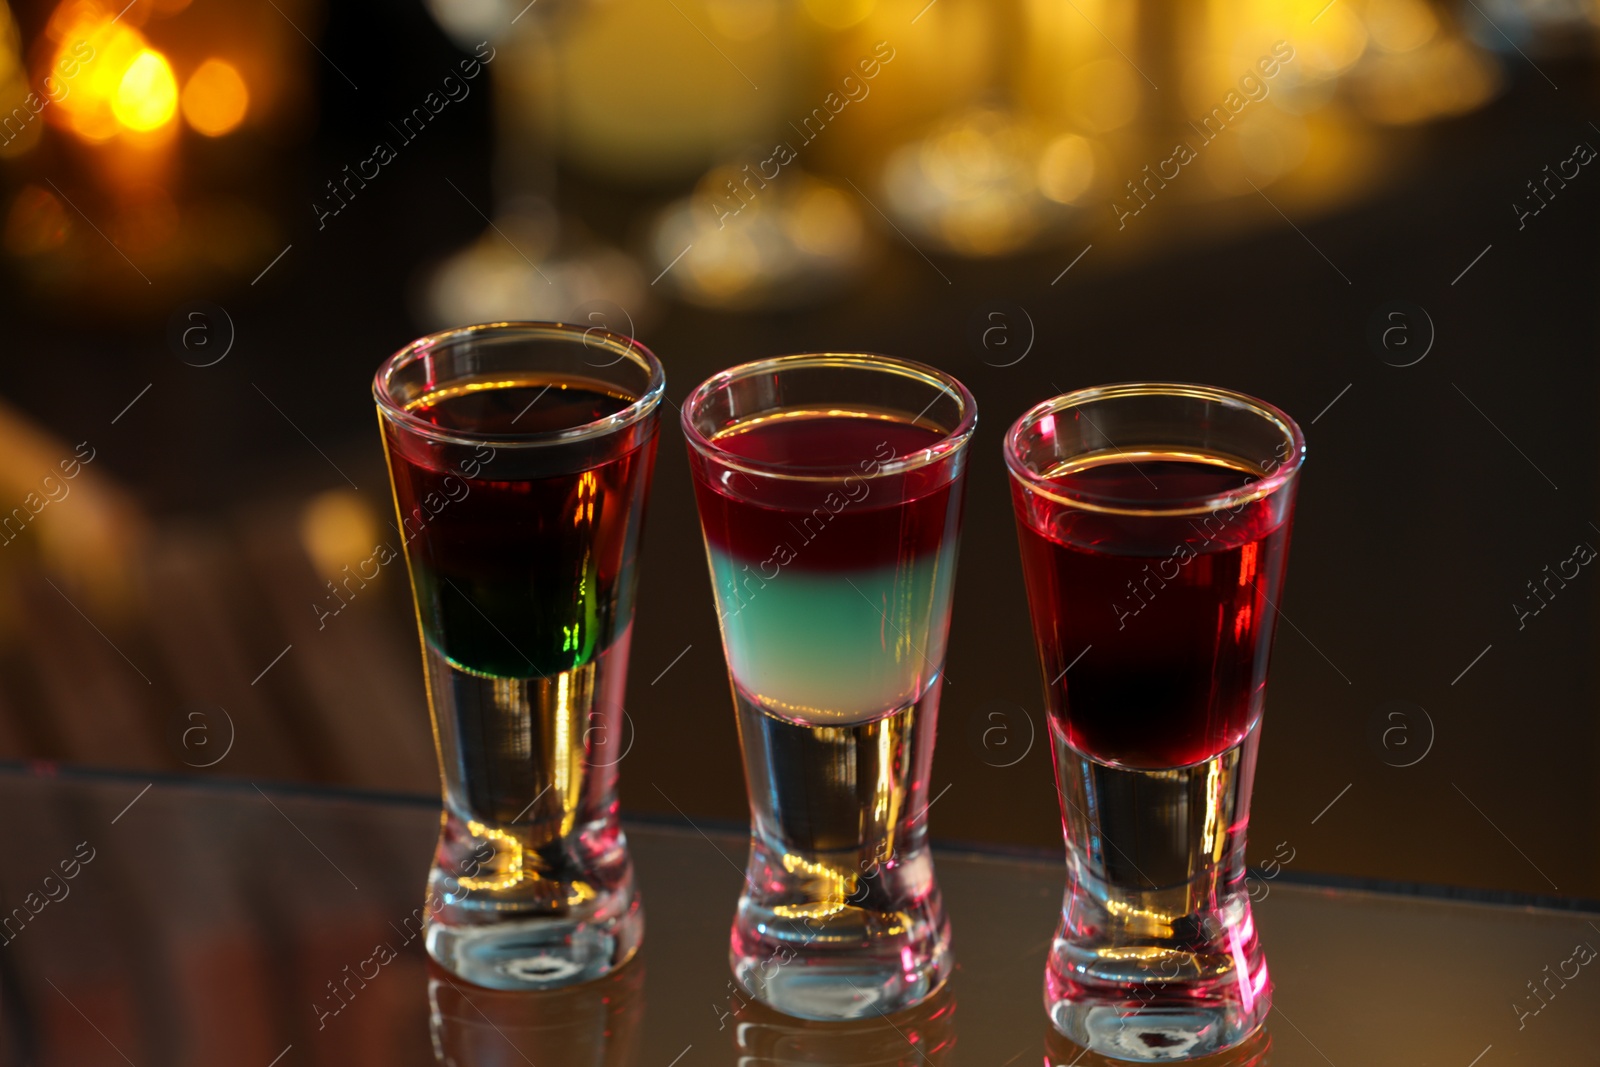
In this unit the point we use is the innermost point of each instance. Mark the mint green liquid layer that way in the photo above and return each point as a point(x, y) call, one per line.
point(836, 646)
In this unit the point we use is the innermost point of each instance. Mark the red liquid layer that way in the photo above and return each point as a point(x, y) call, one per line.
point(860, 519)
point(1165, 622)
point(519, 576)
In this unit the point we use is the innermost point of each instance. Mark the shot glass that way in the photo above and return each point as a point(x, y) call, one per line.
point(830, 491)
point(520, 456)
point(1154, 524)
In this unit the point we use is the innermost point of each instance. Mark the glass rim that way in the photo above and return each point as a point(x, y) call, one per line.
point(589, 336)
point(948, 445)
point(1271, 482)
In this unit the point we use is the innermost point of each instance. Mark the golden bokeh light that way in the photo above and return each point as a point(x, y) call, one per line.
point(823, 222)
point(215, 98)
point(337, 529)
point(972, 184)
point(147, 94)
point(1273, 143)
point(93, 54)
point(18, 131)
point(1104, 94)
point(759, 246)
point(1445, 77)
point(839, 14)
point(1333, 43)
point(1400, 25)
point(742, 20)
point(108, 79)
point(1066, 168)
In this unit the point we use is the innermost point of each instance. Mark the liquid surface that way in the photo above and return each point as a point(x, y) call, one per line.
point(1154, 633)
point(824, 439)
point(522, 405)
point(833, 594)
point(1150, 478)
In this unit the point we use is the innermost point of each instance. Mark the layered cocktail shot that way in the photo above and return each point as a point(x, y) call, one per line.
point(830, 491)
point(520, 456)
point(1154, 525)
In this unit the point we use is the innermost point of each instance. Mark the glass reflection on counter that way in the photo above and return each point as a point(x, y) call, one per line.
point(921, 1037)
point(1254, 1051)
point(591, 1025)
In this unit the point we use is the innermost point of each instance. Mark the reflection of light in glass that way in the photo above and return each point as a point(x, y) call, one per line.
point(924, 1036)
point(562, 777)
point(1238, 937)
point(215, 98)
point(147, 93)
point(507, 854)
point(833, 888)
point(1210, 839)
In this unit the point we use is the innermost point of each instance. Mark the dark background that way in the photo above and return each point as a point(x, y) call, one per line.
point(1431, 495)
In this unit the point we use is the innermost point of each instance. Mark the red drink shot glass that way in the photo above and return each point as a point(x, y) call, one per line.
point(1154, 525)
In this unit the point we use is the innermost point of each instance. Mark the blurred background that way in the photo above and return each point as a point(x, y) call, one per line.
point(218, 216)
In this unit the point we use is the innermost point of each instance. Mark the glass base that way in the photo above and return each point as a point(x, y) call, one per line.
point(844, 959)
point(1156, 957)
point(543, 925)
point(532, 886)
point(540, 953)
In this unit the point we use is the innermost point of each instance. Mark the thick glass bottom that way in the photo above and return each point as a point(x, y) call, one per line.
point(532, 886)
point(840, 917)
point(1156, 957)
point(548, 952)
point(530, 930)
point(835, 960)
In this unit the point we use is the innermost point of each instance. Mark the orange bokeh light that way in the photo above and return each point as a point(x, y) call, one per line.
point(216, 98)
point(147, 93)
point(105, 79)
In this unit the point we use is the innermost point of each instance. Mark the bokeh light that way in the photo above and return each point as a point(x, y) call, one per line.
point(215, 98)
point(36, 223)
point(337, 528)
point(1400, 25)
point(1066, 168)
point(147, 94)
point(110, 80)
point(839, 14)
